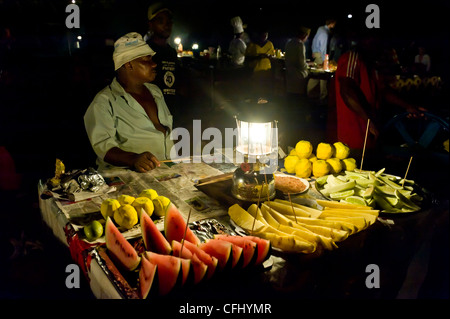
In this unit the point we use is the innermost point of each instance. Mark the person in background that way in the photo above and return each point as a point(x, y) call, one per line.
point(319, 48)
point(237, 46)
point(297, 113)
point(360, 92)
point(128, 122)
point(160, 23)
point(295, 61)
point(258, 54)
point(423, 59)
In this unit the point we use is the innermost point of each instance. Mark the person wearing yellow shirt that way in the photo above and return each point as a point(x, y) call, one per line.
point(258, 54)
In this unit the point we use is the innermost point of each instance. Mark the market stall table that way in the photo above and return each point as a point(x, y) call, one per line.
point(391, 244)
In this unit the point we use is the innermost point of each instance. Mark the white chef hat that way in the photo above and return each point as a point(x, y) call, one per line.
point(129, 47)
point(236, 22)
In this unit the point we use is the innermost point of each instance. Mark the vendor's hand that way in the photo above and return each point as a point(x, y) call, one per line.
point(145, 162)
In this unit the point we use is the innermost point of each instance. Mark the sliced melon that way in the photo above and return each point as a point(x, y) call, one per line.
point(154, 240)
point(250, 252)
point(169, 269)
point(198, 267)
point(209, 260)
point(146, 277)
point(186, 270)
point(220, 249)
point(264, 248)
point(175, 226)
point(119, 248)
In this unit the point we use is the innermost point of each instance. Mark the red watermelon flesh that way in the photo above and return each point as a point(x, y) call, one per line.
point(250, 248)
point(119, 248)
point(264, 247)
point(199, 267)
point(146, 276)
point(175, 226)
point(220, 249)
point(154, 240)
point(169, 268)
point(207, 259)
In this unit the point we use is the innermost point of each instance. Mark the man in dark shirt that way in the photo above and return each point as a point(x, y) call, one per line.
point(160, 28)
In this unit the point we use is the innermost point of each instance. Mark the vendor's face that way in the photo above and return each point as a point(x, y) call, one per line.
point(161, 25)
point(144, 68)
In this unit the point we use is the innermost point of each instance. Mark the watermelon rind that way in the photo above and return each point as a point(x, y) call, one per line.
point(250, 248)
point(223, 253)
point(154, 240)
point(119, 248)
point(148, 274)
point(169, 271)
point(198, 267)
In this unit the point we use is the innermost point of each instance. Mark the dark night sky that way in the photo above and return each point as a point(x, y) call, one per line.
point(209, 20)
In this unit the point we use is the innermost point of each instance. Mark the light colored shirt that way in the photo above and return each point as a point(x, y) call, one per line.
point(425, 60)
point(320, 41)
point(116, 119)
point(237, 50)
point(296, 66)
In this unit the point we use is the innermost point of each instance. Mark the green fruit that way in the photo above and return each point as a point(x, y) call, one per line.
point(93, 231)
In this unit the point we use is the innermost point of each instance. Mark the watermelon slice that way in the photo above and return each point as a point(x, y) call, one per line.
point(264, 248)
point(220, 249)
point(186, 270)
point(175, 226)
point(120, 249)
point(146, 276)
point(199, 268)
point(210, 261)
point(169, 268)
point(250, 248)
point(154, 240)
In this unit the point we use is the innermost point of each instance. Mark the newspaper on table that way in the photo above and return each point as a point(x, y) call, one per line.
point(173, 180)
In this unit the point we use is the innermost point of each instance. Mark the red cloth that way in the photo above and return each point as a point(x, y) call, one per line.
point(351, 129)
point(79, 249)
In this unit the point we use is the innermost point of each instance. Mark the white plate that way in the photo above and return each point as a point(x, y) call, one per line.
point(304, 181)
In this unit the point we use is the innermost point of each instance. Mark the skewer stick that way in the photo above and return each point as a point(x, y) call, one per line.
point(364, 147)
point(407, 169)
point(293, 210)
point(256, 214)
point(185, 231)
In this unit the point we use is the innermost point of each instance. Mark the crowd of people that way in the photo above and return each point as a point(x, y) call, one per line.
point(129, 122)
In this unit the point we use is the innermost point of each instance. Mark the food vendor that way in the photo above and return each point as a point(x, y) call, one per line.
point(128, 122)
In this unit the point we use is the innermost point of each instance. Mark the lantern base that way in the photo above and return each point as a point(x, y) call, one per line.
point(252, 186)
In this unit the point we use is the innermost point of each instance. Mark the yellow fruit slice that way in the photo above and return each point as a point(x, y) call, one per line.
point(244, 220)
point(108, 207)
point(126, 216)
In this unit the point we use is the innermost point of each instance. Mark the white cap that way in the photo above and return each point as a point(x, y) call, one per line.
point(238, 27)
point(129, 47)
